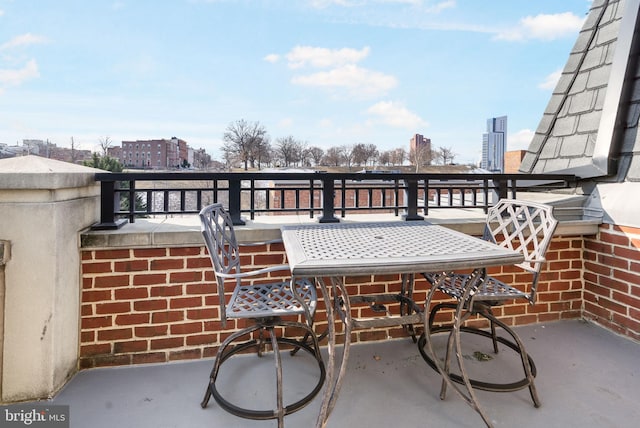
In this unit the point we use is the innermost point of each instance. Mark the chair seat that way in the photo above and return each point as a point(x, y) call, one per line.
point(490, 289)
point(272, 299)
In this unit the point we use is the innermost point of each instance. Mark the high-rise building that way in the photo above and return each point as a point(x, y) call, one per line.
point(494, 144)
point(420, 148)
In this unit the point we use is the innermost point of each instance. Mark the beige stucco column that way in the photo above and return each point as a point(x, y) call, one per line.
point(44, 204)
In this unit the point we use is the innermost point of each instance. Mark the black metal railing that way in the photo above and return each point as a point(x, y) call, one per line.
point(126, 196)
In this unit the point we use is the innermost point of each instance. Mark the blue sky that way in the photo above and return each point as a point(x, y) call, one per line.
point(327, 72)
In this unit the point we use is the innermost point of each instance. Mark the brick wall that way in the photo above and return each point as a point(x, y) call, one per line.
point(612, 279)
point(160, 304)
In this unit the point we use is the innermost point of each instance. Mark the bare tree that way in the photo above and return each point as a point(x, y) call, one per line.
point(384, 158)
point(398, 156)
point(372, 153)
point(262, 153)
point(346, 153)
point(105, 144)
point(359, 154)
point(289, 150)
point(333, 157)
point(316, 154)
point(244, 139)
point(446, 155)
point(230, 158)
point(420, 156)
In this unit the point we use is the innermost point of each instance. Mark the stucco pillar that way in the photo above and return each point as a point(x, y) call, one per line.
point(44, 204)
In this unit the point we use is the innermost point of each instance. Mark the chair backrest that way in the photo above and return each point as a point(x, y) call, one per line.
point(525, 227)
point(220, 238)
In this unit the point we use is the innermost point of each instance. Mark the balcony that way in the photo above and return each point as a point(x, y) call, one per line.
point(124, 328)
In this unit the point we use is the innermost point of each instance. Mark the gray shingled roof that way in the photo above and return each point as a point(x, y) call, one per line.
point(590, 125)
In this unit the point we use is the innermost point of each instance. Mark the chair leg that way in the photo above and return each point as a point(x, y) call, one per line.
point(260, 342)
point(278, 360)
point(207, 397)
point(526, 365)
point(494, 337)
point(226, 351)
point(219, 359)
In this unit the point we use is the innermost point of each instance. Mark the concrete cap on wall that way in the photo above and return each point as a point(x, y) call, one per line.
point(35, 172)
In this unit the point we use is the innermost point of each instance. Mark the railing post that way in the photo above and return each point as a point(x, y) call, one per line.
point(328, 195)
point(235, 186)
point(501, 188)
point(107, 207)
point(412, 201)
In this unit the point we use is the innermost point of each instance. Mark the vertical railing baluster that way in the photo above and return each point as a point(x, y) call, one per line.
point(311, 198)
point(149, 206)
point(426, 196)
point(132, 201)
point(165, 203)
point(343, 196)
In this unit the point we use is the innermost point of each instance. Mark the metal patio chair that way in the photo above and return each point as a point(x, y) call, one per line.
point(525, 227)
point(264, 303)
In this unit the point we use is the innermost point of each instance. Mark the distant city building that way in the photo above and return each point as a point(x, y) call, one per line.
point(115, 152)
point(512, 161)
point(45, 149)
point(494, 144)
point(154, 154)
point(420, 147)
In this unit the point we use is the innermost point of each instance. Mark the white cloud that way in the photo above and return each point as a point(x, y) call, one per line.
point(551, 80)
point(322, 4)
point(411, 2)
point(436, 8)
point(286, 122)
point(16, 77)
point(272, 58)
point(520, 140)
point(544, 27)
point(301, 56)
point(397, 115)
point(326, 123)
point(23, 40)
point(439, 7)
point(358, 81)
point(1, 12)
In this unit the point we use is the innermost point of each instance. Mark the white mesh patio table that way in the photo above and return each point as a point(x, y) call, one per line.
point(353, 249)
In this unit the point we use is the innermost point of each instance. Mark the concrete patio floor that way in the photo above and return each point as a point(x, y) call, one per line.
point(587, 377)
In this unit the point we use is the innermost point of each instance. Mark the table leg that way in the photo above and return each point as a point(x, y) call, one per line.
point(334, 380)
point(331, 360)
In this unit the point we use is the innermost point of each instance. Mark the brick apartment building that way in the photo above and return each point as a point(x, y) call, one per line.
point(155, 154)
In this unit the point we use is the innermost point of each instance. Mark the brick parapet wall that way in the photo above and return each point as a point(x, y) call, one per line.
point(612, 279)
point(146, 305)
